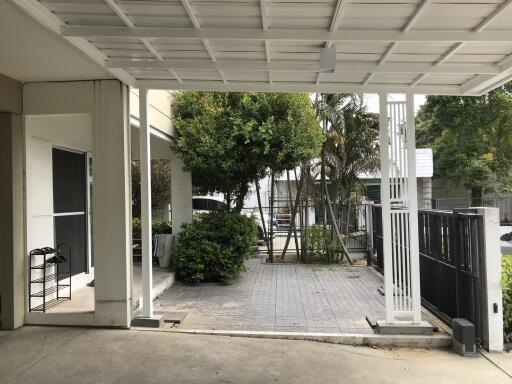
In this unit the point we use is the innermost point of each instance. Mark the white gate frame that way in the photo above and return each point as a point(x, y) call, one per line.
point(399, 210)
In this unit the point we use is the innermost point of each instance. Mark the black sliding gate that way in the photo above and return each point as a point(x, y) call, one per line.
point(452, 264)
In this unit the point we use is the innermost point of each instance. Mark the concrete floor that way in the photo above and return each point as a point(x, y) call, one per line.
point(283, 298)
point(82, 355)
point(82, 298)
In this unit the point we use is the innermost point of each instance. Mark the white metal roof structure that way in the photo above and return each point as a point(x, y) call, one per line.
point(460, 47)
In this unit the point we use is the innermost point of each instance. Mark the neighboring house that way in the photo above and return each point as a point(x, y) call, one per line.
point(424, 172)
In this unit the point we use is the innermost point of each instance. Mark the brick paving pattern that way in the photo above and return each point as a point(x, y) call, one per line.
point(282, 298)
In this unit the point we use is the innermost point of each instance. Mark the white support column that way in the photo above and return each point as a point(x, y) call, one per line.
point(386, 205)
point(145, 188)
point(493, 310)
point(400, 218)
point(414, 255)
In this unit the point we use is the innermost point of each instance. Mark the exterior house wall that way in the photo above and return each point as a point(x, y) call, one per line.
point(42, 133)
point(10, 95)
point(12, 266)
point(159, 110)
point(106, 102)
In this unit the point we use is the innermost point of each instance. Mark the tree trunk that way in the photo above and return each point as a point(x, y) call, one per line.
point(335, 225)
point(271, 254)
point(290, 202)
point(239, 201)
point(228, 200)
point(292, 220)
point(263, 224)
point(301, 220)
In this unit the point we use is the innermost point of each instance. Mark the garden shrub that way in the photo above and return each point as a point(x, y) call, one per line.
point(215, 247)
point(506, 284)
point(160, 227)
point(320, 247)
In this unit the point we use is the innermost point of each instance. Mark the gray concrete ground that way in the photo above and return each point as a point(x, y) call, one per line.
point(282, 298)
point(81, 355)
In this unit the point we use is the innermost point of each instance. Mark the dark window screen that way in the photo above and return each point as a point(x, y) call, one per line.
point(69, 198)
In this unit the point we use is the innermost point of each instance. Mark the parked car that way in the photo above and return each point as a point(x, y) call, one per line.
point(259, 223)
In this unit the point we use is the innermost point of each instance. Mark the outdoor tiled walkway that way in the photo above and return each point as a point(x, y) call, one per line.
point(282, 297)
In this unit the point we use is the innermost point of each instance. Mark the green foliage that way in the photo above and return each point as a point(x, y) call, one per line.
point(214, 247)
point(320, 244)
point(228, 140)
point(471, 138)
point(159, 227)
point(160, 185)
point(506, 284)
point(351, 144)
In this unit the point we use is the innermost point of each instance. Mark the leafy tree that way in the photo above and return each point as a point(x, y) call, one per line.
point(228, 140)
point(160, 185)
point(350, 148)
point(471, 138)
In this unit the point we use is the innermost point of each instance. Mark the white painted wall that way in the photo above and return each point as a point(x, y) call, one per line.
point(106, 104)
point(159, 110)
point(43, 133)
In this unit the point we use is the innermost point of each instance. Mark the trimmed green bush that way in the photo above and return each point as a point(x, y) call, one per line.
point(319, 245)
point(215, 247)
point(506, 284)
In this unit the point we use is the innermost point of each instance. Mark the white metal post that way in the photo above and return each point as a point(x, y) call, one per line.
point(386, 205)
point(145, 190)
point(413, 210)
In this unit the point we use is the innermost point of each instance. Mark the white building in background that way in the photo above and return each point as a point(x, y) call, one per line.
point(424, 173)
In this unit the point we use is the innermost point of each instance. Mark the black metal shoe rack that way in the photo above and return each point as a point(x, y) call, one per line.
point(50, 283)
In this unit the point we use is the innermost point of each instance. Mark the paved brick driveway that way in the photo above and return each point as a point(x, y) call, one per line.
point(282, 297)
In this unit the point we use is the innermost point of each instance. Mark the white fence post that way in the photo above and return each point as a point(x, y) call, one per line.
point(493, 326)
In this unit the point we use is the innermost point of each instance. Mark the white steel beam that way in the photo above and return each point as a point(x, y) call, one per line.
point(286, 66)
point(417, 13)
point(478, 82)
point(288, 86)
point(287, 34)
point(386, 206)
point(413, 209)
point(492, 16)
point(368, 79)
point(407, 27)
point(419, 79)
point(449, 53)
point(335, 24)
point(197, 25)
point(145, 188)
point(264, 24)
point(126, 20)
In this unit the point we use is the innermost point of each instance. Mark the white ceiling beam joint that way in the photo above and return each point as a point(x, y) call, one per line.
point(416, 14)
point(419, 79)
point(126, 20)
point(449, 53)
point(368, 79)
point(223, 77)
point(197, 25)
point(335, 21)
point(479, 81)
point(264, 25)
point(489, 19)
